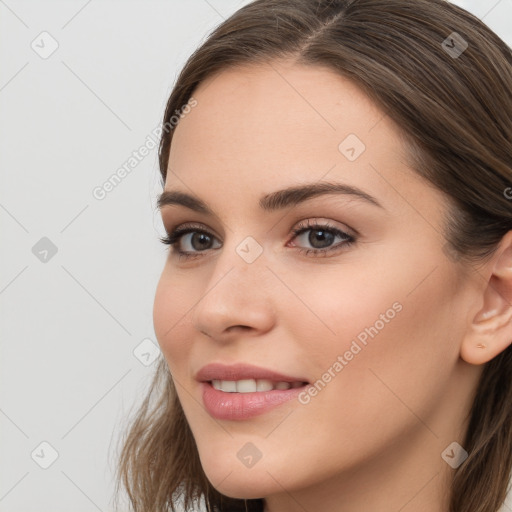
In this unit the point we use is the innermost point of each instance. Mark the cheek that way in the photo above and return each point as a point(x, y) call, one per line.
point(377, 345)
point(172, 302)
point(331, 308)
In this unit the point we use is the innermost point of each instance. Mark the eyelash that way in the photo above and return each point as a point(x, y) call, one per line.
point(175, 236)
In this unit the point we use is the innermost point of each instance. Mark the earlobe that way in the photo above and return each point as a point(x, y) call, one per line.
point(490, 332)
point(474, 352)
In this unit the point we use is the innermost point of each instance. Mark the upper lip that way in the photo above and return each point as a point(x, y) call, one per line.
point(239, 371)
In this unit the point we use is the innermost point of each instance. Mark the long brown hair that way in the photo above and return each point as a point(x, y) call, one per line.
point(453, 105)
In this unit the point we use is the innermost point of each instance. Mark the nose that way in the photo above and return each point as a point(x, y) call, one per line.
point(235, 299)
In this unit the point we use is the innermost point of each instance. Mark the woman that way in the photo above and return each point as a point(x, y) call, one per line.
point(335, 311)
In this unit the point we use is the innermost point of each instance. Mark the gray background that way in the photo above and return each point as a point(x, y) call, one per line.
point(77, 339)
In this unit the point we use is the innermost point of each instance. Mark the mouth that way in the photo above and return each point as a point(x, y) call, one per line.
point(247, 378)
point(243, 399)
point(254, 385)
point(242, 391)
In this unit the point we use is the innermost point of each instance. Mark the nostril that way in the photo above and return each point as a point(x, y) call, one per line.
point(243, 327)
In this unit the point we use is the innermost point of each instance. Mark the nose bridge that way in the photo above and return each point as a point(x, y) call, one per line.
point(235, 293)
point(242, 260)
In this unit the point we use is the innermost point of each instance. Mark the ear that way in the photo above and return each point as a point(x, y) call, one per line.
point(490, 331)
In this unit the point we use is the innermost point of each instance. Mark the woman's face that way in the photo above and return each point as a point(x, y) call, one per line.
point(375, 317)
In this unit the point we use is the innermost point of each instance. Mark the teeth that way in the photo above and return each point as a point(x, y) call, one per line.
point(263, 385)
point(245, 386)
point(252, 385)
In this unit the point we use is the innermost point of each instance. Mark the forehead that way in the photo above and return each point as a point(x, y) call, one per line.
point(283, 107)
point(257, 128)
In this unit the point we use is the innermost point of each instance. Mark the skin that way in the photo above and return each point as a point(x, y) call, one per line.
point(372, 439)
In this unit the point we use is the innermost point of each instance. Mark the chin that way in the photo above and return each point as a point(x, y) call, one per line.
point(234, 480)
point(240, 487)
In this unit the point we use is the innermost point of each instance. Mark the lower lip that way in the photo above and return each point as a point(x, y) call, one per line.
point(242, 406)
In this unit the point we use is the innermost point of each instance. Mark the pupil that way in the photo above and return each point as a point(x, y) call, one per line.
point(324, 236)
point(202, 238)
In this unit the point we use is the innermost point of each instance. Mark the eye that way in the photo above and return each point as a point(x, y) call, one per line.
point(321, 237)
point(190, 241)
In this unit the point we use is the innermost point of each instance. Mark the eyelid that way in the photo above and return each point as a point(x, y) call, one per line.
point(313, 222)
point(196, 226)
point(310, 222)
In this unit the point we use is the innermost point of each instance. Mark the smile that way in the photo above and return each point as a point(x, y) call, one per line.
point(253, 385)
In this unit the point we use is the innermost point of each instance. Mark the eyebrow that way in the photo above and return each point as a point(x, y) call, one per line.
point(273, 201)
